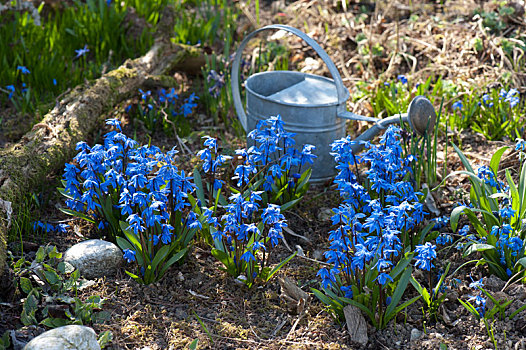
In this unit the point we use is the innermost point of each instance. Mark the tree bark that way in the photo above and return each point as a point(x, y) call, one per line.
point(52, 142)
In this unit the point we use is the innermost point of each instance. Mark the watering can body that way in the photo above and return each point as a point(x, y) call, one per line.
point(308, 106)
point(311, 106)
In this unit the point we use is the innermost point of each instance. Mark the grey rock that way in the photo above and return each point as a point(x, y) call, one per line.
point(325, 214)
point(415, 334)
point(94, 258)
point(356, 324)
point(493, 283)
point(72, 337)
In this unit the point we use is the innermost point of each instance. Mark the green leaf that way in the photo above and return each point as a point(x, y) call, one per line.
point(53, 322)
point(477, 247)
point(495, 159)
point(399, 308)
point(463, 159)
point(279, 266)
point(401, 266)
point(41, 255)
point(455, 215)
point(25, 285)
point(470, 308)
point(178, 256)
point(399, 291)
point(521, 261)
point(77, 214)
point(193, 344)
point(199, 184)
point(100, 317)
point(289, 204)
point(52, 277)
point(516, 312)
point(322, 297)
point(132, 238)
point(226, 260)
point(104, 339)
point(422, 291)
point(304, 180)
point(160, 256)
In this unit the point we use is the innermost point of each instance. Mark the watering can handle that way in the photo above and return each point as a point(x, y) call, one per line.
point(343, 93)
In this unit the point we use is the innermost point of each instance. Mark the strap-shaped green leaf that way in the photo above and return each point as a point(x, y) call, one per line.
point(132, 238)
point(77, 214)
point(180, 254)
point(280, 265)
point(477, 247)
point(199, 184)
point(388, 317)
point(399, 291)
point(495, 159)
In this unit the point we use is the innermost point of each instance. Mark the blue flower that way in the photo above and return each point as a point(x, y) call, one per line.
point(425, 254)
point(476, 284)
point(82, 52)
point(402, 79)
point(506, 212)
point(11, 90)
point(520, 145)
point(464, 230)
point(444, 239)
point(383, 278)
point(327, 278)
point(115, 123)
point(23, 69)
point(129, 255)
point(248, 256)
point(457, 105)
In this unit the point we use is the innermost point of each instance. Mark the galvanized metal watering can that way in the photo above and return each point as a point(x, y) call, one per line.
point(313, 106)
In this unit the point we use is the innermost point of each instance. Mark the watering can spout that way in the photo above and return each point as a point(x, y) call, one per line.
point(421, 116)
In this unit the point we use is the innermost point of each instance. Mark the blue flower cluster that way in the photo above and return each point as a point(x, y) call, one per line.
point(47, 227)
point(120, 181)
point(373, 223)
point(440, 222)
point(510, 247)
point(164, 109)
point(511, 96)
point(246, 233)
point(273, 155)
point(240, 233)
point(479, 300)
point(485, 173)
point(274, 149)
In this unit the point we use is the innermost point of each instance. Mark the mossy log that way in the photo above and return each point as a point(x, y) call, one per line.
point(52, 142)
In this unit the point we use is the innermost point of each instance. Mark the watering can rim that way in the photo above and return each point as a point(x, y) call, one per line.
point(342, 91)
point(291, 104)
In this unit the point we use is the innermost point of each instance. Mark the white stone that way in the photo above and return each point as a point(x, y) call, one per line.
point(94, 258)
point(415, 334)
point(72, 337)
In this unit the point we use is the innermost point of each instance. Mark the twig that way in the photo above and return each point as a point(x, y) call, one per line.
point(292, 233)
point(278, 328)
point(295, 324)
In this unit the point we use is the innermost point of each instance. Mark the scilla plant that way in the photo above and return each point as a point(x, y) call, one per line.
point(497, 211)
point(376, 236)
point(261, 182)
point(272, 165)
point(138, 196)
